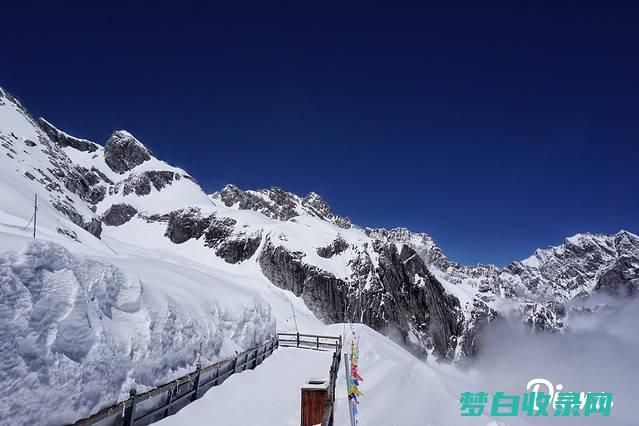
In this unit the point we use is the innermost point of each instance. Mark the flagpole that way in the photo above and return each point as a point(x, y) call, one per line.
point(35, 215)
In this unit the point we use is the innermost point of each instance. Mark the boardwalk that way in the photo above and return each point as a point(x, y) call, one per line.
point(270, 394)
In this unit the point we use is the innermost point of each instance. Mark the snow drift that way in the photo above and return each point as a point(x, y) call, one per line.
point(77, 333)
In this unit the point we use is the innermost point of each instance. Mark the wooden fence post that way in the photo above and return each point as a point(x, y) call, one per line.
point(129, 413)
point(167, 411)
point(196, 385)
point(257, 351)
point(216, 377)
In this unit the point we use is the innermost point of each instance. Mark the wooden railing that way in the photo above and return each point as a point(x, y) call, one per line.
point(329, 411)
point(309, 341)
point(165, 400)
point(319, 342)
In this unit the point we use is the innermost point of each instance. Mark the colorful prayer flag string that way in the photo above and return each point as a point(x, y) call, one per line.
point(355, 378)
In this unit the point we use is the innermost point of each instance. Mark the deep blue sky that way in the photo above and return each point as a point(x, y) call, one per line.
point(494, 128)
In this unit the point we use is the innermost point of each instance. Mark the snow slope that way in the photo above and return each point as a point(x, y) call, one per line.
point(33, 165)
point(399, 389)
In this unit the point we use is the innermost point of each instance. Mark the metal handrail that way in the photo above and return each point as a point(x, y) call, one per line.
point(327, 419)
point(251, 359)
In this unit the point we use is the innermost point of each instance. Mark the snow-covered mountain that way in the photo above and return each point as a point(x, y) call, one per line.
point(138, 260)
point(541, 285)
point(394, 280)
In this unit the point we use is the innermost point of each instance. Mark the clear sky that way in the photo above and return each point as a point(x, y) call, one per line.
point(495, 127)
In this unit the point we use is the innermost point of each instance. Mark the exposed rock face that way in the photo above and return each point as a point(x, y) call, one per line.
point(232, 248)
point(544, 316)
point(273, 202)
point(480, 275)
point(400, 293)
point(279, 204)
point(396, 295)
point(336, 247)
point(480, 315)
point(218, 231)
point(322, 292)
point(622, 279)
point(163, 218)
point(186, 224)
point(140, 184)
point(123, 152)
point(85, 183)
point(161, 178)
point(64, 139)
point(118, 214)
point(135, 184)
point(582, 265)
point(219, 234)
point(239, 249)
point(316, 205)
point(69, 233)
point(93, 225)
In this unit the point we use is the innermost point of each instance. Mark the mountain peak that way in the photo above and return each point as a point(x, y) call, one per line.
point(124, 134)
point(624, 233)
point(123, 152)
